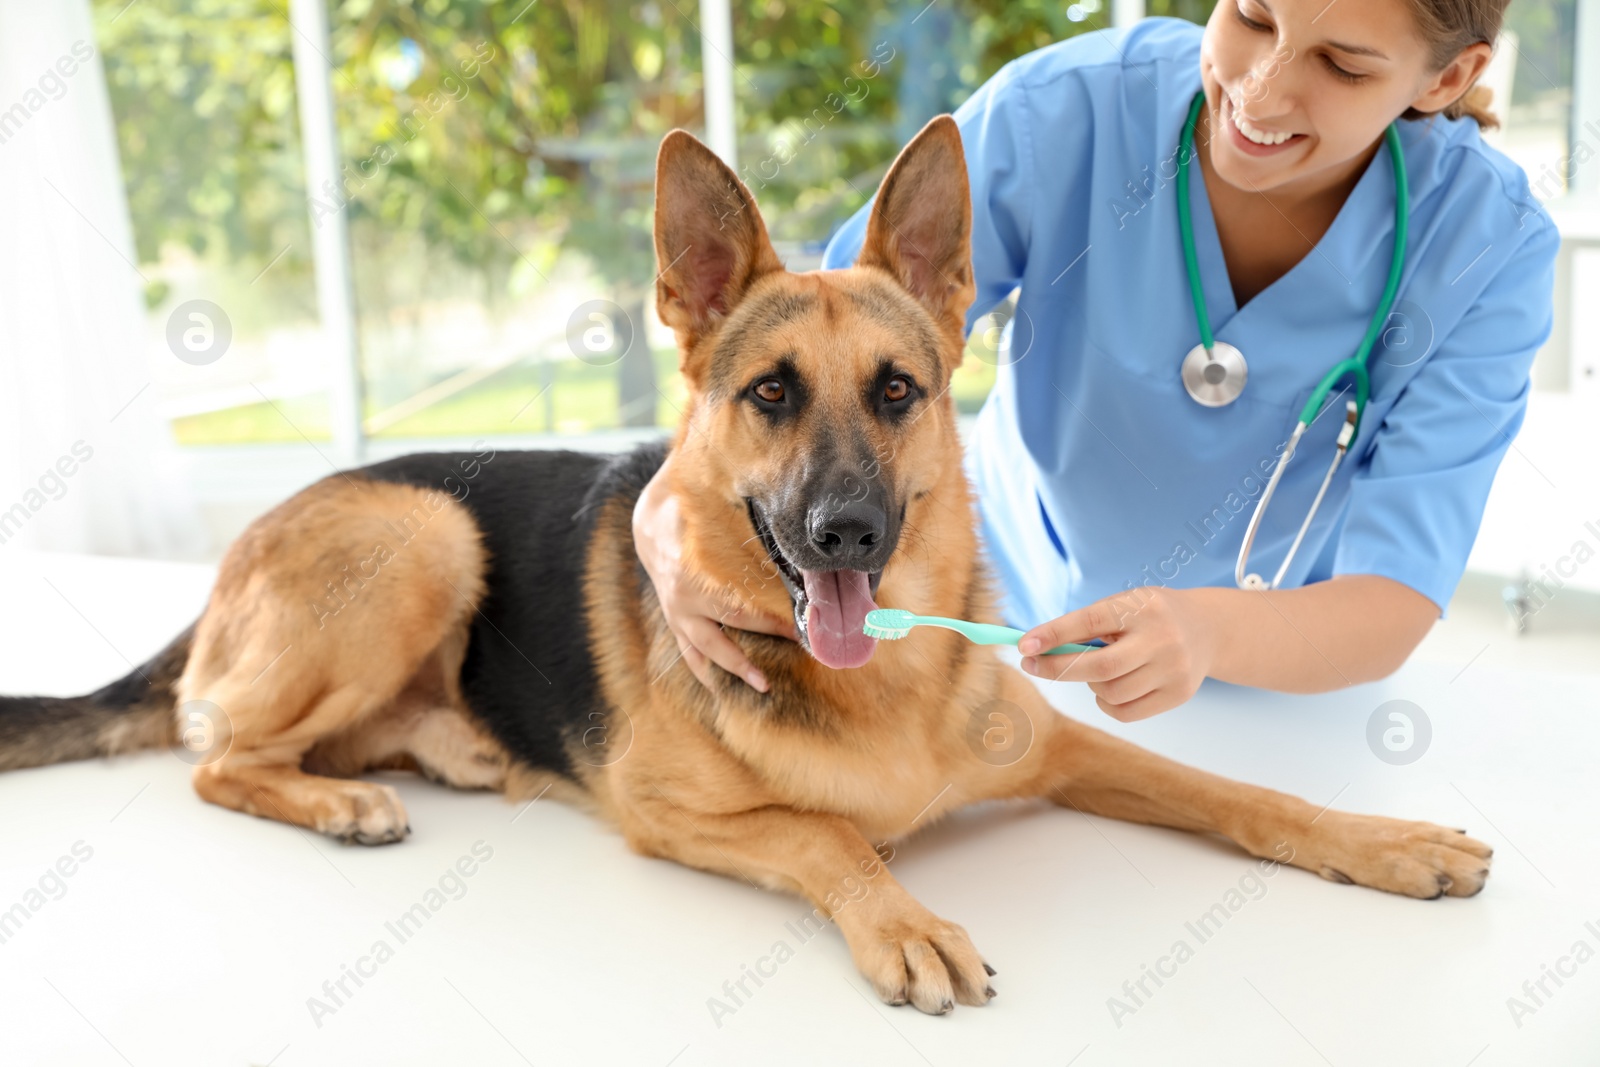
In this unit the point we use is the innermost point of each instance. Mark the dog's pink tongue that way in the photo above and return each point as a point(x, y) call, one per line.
point(837, 603)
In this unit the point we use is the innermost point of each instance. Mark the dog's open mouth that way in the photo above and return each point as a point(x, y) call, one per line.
point(829, 606)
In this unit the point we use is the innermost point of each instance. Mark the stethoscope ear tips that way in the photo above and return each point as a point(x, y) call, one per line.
point(1254, 583)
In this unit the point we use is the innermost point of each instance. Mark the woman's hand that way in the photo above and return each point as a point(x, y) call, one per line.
point(695, 616)
point(1158, 650)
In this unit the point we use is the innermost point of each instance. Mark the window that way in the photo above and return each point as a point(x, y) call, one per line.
point(1538, 49)
point(204, 100)
point(497, 183)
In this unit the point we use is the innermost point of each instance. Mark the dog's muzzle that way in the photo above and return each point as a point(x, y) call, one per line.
point(832, 577)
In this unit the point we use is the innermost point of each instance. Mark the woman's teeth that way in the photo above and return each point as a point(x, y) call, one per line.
point(1261, 137)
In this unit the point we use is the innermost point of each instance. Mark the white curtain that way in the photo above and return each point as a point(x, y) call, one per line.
point(87, 463)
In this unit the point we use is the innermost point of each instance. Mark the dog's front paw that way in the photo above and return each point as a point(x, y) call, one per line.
point(367, 813)
point(1417, 859)
point(913, 955)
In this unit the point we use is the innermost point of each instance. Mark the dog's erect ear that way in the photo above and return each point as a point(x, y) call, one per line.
point(921, 225)
point(711, 244)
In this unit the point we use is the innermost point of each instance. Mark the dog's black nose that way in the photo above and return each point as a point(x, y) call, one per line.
point(847, 531)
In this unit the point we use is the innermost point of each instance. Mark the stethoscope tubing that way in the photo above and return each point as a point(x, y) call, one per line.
point(1356, 366)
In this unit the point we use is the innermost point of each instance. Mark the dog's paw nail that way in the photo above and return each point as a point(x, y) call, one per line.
point(947, 1007)
point(989, 992)
point(990, 971)
point(1334, 875)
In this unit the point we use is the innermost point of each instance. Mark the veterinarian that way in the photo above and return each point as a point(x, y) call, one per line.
point(1154, 378)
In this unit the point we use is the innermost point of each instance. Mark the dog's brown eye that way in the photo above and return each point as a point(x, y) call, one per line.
point(770, 390)
point(897, 389)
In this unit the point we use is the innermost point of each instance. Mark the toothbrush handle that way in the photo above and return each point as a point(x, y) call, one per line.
point(984, 633)
point(1061, 650)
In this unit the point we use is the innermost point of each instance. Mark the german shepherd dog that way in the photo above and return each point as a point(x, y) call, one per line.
point(484, 619)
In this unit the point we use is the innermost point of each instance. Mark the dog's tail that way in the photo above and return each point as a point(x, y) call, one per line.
point(131, 713)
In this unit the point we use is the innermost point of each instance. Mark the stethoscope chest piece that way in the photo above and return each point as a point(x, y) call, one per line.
point(1215, 378)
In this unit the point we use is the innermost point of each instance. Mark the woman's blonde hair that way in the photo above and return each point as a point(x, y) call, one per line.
point(1449, 26)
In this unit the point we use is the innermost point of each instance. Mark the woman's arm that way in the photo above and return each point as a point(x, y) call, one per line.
point(1162, 643)
point(1350, 629)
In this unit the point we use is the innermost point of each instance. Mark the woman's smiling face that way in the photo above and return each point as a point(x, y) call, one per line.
point(1300, 89)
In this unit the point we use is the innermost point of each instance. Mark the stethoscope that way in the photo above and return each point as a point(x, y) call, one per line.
point(1214, 371)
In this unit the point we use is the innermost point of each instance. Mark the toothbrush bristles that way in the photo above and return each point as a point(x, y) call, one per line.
point(882, 634)
point(888, 623)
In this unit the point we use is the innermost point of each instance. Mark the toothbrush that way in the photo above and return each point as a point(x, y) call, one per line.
point(893, 623)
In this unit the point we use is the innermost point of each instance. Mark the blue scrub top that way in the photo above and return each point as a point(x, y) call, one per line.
point(1096, 472)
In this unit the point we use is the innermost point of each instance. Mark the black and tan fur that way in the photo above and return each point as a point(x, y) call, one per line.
point(484, 619)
